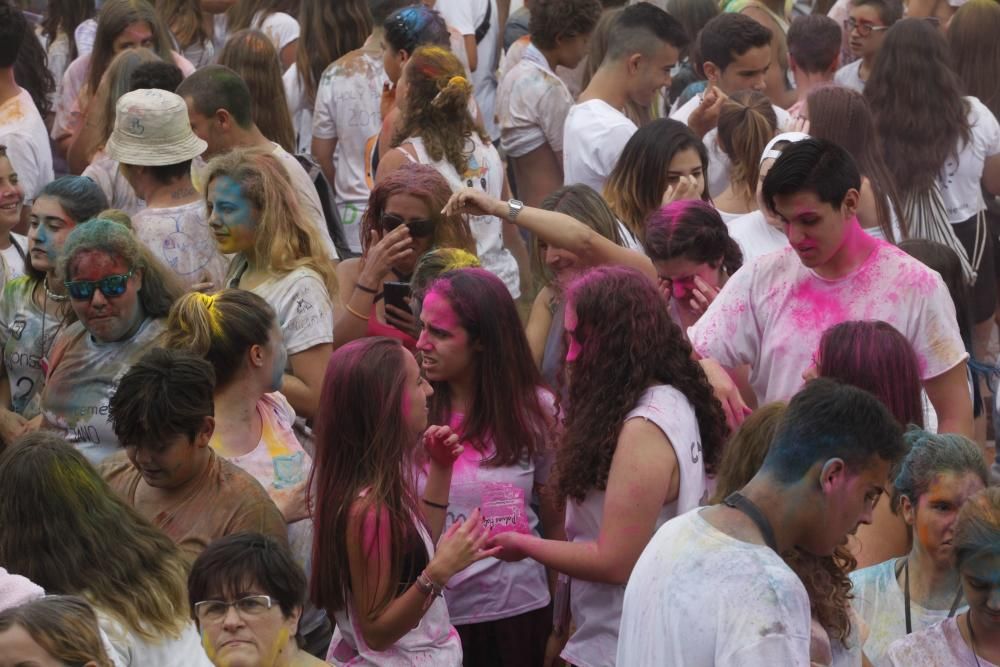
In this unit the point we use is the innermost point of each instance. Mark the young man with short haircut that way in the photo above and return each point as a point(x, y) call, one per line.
point(218, 103)
point(162, 413)
point(711, 587)
point(813, 56)
point(734, 53)
point(869, 21)
point(533, 101)
point(22, 129)
point(154, 145)
point(773, 311)
point(644, 44)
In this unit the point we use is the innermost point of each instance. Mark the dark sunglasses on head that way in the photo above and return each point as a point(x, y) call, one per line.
point(419, 229)
point(110, 286)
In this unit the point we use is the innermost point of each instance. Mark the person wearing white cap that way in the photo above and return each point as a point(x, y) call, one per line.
point(153, 141)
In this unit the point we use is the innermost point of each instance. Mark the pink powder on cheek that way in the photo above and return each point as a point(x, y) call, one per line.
point(575, 349)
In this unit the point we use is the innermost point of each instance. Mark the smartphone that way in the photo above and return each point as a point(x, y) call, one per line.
point(396, 295)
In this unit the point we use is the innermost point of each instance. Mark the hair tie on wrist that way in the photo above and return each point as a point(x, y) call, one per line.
point(356, 313)
point(365, 288)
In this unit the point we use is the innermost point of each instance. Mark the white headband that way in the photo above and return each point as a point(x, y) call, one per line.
point(791, 137)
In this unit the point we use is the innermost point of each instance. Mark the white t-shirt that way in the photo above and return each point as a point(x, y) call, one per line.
point(347, 109)
point(301, 301)
point(700, 597)
point(108, 175)
point(83, 376)
point(593, 140)
point(960, 180)
point(941, 644)
point(179, 236)
point(300, 111)
point(25, 343)
point(23, 131)
point(719, 165)
point(849, 76)
point(773, 311)
point(200, 54)
point(130, 650)
point(433, 642)
point(490, 589)
point(312, 209)
point(755, 236)
point(571, 78)
point(878, 599)
point(13, 257)
point(281, 28)
point(485, 171)
point(466, 16)
point(532, 103)
point(85, 34)
point(597, 607)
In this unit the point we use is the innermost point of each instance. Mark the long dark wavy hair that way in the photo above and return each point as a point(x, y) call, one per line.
point(330, 30)
point(975, 50)
point(505, 405)
point(437, 107)
point(842, 115)
point(63, 16)
point(629, 343)
point(32, 73)
point(364, 456)
point(916, 99)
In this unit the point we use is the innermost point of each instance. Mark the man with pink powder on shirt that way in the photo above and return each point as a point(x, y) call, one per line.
point(772, 312)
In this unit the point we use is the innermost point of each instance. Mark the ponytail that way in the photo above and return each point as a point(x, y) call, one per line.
point(219, 327)
point(747, 123)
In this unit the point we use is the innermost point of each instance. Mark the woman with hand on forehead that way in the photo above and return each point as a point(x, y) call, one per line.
point(402, 222)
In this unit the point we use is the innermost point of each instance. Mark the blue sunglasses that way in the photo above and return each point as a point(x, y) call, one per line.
point(110, 286)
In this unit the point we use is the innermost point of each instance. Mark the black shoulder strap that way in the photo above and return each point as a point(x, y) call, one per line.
point(484, 27)
point(740, 502)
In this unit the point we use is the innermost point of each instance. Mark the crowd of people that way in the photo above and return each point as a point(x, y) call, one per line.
point(499, 333)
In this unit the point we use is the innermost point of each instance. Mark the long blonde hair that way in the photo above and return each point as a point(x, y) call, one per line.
point(282, 239)
point(185, 20)
point(251, 55)
point(66, 530)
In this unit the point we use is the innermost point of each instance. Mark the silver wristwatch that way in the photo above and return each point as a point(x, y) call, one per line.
point(514, 208)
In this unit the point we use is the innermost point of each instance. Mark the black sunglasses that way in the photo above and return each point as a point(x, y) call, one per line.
point(110, 286)
point(419, 229)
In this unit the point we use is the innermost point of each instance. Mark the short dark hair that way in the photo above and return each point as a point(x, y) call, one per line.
point(168, 173)
point(552, 19)
point(217, 87)
point(230, 563)
point(641, 28)
point(817, 165)
point(156, 74)
point(827, 420)
point(165, 394)
point(381, 9)
point(13, 26)
point(728, 36)
point(889, 11)
point(814, 42)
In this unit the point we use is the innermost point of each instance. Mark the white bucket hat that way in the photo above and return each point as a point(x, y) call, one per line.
point(152, 129)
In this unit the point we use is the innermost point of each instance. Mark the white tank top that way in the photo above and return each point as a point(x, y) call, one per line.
point(485, 172)
point(433, 642)
point(597, 607)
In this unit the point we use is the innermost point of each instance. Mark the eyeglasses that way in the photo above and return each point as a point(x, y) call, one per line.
point(213, 611)
point(419, 229)
point(110, 286)
point(864, 28)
